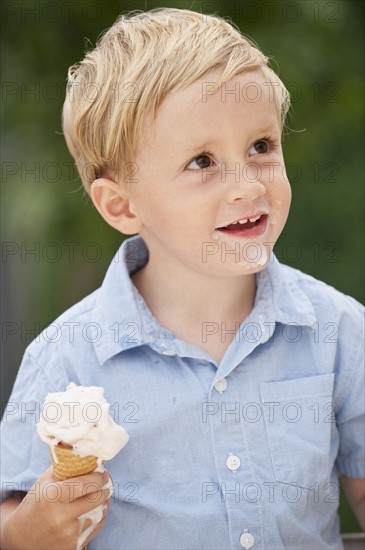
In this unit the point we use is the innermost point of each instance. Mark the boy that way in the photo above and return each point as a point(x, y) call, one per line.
point(241, 393)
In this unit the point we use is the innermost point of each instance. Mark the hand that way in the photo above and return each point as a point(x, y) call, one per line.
point(46, 518)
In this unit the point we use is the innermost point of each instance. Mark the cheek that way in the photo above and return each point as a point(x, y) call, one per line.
point(280, 202)
point(282, 192)
point(284, 197)
point(160, 215)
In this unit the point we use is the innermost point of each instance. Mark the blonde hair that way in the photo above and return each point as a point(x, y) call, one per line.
point(135, 64)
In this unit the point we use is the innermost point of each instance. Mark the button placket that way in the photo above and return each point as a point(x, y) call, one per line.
point(233, 465)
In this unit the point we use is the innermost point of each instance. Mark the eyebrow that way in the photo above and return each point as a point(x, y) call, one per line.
point(267, 129)
point(201, 147)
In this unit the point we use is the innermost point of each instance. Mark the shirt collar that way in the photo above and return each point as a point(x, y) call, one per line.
point(116, 309)
point(126, 322)
point(279, 296)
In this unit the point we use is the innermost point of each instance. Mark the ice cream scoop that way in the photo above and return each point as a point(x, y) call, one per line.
point(79, 418)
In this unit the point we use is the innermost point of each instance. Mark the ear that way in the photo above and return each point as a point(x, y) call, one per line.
point(114, 204)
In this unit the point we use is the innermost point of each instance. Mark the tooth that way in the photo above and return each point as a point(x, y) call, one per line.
point(254, 219)
point(234, 223)
point(243, 221)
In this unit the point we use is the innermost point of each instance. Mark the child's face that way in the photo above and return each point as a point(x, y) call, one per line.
point(238, 172)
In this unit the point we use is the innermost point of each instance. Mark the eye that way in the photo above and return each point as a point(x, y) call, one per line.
point(262, 146)
point(202, 161)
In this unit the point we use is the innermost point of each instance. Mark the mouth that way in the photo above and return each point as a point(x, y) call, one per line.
point(250, 226)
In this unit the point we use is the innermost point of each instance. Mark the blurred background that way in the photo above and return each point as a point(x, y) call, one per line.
point(56, 248)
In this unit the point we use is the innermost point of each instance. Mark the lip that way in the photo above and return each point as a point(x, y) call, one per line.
point(243, 233)
point(244, 217)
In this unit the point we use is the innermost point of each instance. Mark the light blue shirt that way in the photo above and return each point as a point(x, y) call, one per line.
point(244, 453)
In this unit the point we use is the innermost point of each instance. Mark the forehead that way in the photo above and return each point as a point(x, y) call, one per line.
point(243, 104)
point(243, 90)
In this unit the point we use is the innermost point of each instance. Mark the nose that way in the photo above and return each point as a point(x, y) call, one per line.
point(244, 182)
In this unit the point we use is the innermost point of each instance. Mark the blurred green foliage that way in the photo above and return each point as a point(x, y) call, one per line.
point(317, 48)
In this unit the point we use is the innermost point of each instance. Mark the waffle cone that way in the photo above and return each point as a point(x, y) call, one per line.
point(70, 464)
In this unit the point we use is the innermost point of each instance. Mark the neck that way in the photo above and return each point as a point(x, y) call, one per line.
point(177, 296)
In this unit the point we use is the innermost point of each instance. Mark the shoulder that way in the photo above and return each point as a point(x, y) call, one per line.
point(68, 337)
point(326, 300)
point(338, 328)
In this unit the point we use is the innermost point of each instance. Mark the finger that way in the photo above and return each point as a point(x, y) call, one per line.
point(96, 498)
point(76, 487)
point(46, 476)
point(106, 507)
point(95, 532)
point(89, 502)
point(89, 524)
point(86, 524)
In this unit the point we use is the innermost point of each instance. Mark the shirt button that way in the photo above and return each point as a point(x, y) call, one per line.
point(246, 539)
point(167, 352)
point(221, 385)
point(233, 462)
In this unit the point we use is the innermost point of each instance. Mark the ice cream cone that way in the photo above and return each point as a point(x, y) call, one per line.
point(69, 464)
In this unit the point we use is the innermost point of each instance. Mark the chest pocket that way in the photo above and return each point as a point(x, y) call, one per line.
point(299, 418)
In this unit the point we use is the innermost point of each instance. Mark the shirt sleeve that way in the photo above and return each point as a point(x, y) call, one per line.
point(351, 423)
point(23, 455)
